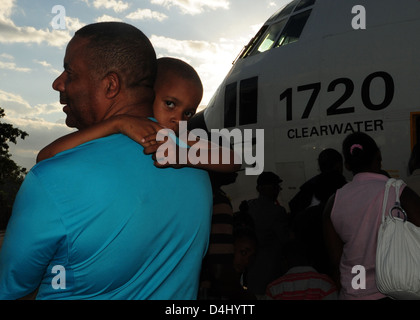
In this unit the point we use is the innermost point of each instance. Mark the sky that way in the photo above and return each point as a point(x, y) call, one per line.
point(208, 34)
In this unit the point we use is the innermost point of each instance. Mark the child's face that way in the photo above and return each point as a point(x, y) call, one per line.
point(176, 100)
point(245, 250)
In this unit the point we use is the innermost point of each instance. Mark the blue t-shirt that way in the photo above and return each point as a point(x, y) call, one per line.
point(100, 221)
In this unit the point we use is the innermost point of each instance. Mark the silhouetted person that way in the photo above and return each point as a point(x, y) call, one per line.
point(272, 230)
point(330, 163)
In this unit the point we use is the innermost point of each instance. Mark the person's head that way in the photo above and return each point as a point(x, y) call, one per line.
point(108, 67)
point(361, 153)
point(245, 247)
point(414, 161)
point(268, 185)
point(330, 160)
point(178, 92)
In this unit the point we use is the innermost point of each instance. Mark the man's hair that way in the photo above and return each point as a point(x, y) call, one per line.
point(122, 48)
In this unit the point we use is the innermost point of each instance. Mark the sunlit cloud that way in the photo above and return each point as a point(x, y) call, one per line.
point(117, 6)
point(106, 17)
point(48, 66)
point(212, 60)
point(16, 106)
point(31, 119)
point(6, 7)
point(193, 6)
point(40, 133)
point(143, 14)
point(11, 33)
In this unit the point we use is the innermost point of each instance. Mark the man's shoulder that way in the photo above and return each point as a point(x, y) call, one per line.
point(94, 154)
point(92, 149)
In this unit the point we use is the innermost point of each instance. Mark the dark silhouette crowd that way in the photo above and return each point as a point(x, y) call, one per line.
point(300, 254)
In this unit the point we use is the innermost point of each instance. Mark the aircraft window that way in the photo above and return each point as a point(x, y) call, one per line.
point(246, 51)
point(293, 29)
point(248, 101)
point(265, 38)
point(268, 39)
point(283, 12)
point(230, 105)
point(304, 4)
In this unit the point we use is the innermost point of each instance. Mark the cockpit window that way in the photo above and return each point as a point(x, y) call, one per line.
point(293, 29)
point(304, 4)
point(268, 39)
point(283, 12)
point(287, 26)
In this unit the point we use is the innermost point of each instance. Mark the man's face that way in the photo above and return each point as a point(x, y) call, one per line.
point(79, 91)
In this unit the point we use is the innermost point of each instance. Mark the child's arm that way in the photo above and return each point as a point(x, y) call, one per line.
point(214, 157)
point(134, 127)
point(219, 158)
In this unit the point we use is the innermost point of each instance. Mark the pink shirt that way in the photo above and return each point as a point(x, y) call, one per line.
point(356, 216)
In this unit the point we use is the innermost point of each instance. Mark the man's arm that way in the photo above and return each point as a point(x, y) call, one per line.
point(134, 127)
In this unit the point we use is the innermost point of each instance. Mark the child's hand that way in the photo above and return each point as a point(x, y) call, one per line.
point(139, 129)
point(166, 152)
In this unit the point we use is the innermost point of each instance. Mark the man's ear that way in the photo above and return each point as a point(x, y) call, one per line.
point(112, 85)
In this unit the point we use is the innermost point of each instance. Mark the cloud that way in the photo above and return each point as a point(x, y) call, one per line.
point(7, 56)
point(193, 6)
point(31, 119)
point(6, 7)
point(17, 107)
point(40, 133)
point(192, 48)
point(13, 104)
point(73, 24)
point(212, 60)
point(10, 65)
point(117, 6)
point(48, 66)
point(143, 14)
point(106, 17)
point(11, 33)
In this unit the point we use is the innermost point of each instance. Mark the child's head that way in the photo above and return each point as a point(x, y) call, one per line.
point(178, 91)
point(245, 243)
point(361, 153)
